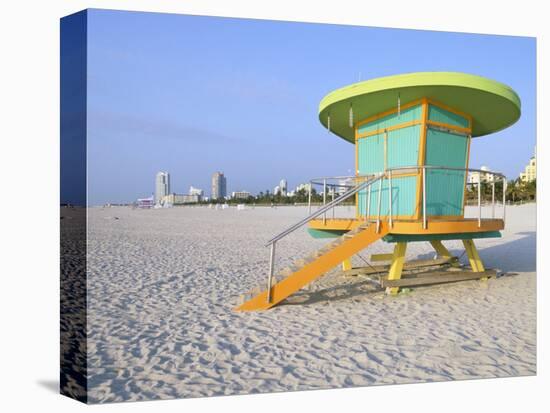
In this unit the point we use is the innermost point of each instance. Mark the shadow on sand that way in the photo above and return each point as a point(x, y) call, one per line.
point(336, 293)
point(518, 255)
point(510, 257)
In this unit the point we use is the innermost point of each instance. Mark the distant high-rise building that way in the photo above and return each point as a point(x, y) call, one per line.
point(162, 186)
point(219, 186)
point(530, 172)
point(283, 187)
point(276, 190)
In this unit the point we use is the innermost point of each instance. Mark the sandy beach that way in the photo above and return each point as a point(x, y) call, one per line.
point(162, 285)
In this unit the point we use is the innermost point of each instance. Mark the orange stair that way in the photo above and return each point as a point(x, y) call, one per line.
point(304, 271)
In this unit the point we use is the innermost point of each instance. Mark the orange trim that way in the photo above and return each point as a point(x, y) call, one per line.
point(449, 126)
point(424, 122)
point(394, 217)
point(438, 225)
point(421, 157)
point(448, 226)
point(385, 151)
point(444, 217)
point(466, 175)
point(356, 173)
point(397, 174)
point(453, 110)
point(389, 129)
point(388, 112)
point(457, 128)
point(310, 270)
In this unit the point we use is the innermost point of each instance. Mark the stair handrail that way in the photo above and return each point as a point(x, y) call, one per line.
point(332, 204)
point(366, 184)
point(424, 168)
point(358, 187)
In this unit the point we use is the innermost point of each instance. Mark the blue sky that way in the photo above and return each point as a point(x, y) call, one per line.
point(192, 95)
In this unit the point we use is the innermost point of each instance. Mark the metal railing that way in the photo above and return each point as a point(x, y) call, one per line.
point(356, 184)
point(335, 189)
point(326, 207)
point(489, 177)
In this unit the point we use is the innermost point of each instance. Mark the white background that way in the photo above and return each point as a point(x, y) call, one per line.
point(29, 229)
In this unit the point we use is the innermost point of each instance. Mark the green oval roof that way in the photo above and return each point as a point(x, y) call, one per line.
point(492, 105)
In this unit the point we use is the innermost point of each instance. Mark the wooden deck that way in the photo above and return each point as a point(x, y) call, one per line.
point(438, 277)
point(434, 226)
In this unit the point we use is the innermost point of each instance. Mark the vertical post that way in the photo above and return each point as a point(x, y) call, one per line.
point(443, 252)
point(479, 202)
point(379, 203)
point(390, 200)
point(324, 200)
point(271, 268)
point(493, 197)
point(473, 255)
point(504, 187)
point(309, 199)
point(346, 264)
point(424, 223)
point(333, 187)
point(368, 203)
point(396, 266)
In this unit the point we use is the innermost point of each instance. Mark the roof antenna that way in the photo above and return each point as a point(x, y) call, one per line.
point(359, 76)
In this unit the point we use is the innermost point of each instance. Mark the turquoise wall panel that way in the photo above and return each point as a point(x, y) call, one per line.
point(407, 190)
point(437, 114)
point(403, 147)
point(444, 188)
point(446, 149)
point(445, 192)
point(371, 154)
point(403, 196)
point(374, 200)
point(370, 160)
point(407, 115)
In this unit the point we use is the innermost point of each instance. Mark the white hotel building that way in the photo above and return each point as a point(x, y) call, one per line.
point(162, 186)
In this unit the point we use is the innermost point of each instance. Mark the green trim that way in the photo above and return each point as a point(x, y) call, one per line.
point(335, 233)
point(326, 233)
point(440, 237)
point(493, 105)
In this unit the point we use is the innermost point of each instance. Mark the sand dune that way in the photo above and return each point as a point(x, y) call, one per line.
point(162, 285)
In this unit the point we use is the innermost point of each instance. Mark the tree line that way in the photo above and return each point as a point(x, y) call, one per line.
point(517, 191)
point(268, 198)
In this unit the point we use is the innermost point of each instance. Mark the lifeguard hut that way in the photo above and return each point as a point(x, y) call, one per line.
point(412, 135)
